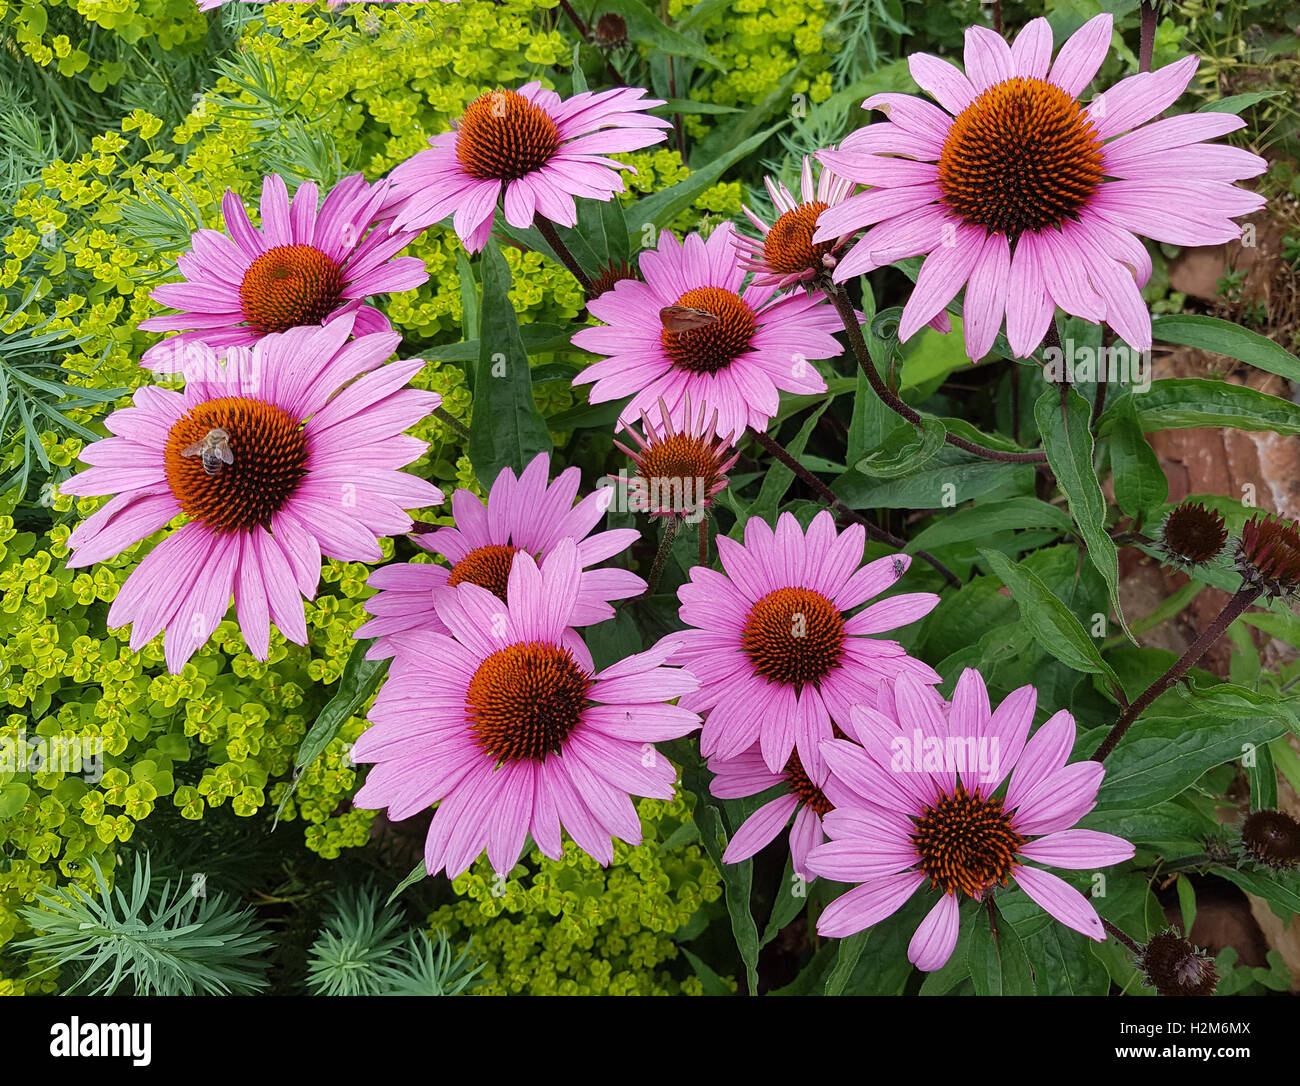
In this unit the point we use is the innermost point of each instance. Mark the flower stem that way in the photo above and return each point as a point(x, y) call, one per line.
point(1120, 937)
point(704, 541)
point(1147, 41)
point(450, 421)
point(845, 307)
point(552, 236)
point(661, 556)
point(1246, 595)
point(828, 496)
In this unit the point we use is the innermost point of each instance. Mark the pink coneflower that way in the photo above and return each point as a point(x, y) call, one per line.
point(303, 267)
point(754, 346)
point(1029, 199)
point(273, 465)
point(809, 798)
point(530, 146)
point(929, 807)
point(777, 656)
point(786, 252)
point(679, 470)
point(507, 723)
point(522, 515)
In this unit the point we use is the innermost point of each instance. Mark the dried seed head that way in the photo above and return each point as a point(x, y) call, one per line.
point(1174, 967)
point(1268, 555)
point(1192, 534)
point(1272, 838)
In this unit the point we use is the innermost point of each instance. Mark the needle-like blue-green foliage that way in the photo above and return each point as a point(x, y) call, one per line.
point(177, 941)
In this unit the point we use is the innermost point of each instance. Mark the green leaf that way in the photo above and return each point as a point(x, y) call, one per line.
point(984, 518)
point(1224, 337)
point(612, 640)
point(1068, 444)
point(904, 450)
point(932, 357)
point(846, 960)
point(714, 985)
point(1278, 888)
point(1053, 625)
point(1140, 482)
point(1186, 901)
point(645, 28)
point(1167, 827)
point(949, 478)
point(360, 679)
point(13, 797)
point(1160, 756)
point(1263, 781)
point(998, 967)
point(1063, 963)
point(1177, 403)
point(686, 105)
point(537, 339)
point(790, 900)
point(506, 429)
point(1235, 103)
point(664, 206)
point(737, 880)
point(418, 872)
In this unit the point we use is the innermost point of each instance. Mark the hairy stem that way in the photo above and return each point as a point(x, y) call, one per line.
point(450, 421)
point(661, 556)
point(1246, 595)
point(1120, 937)
point(552, 236)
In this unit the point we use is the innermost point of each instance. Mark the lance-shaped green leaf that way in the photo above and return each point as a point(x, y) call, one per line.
point(1224, 337)
point(1178, 403)
point(1140, 482)
point(506, 429)
point(1049, 620)
point(1068, 443)
point(360, 679)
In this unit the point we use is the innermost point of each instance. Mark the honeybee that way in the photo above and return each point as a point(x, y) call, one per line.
point(214, 449)
point(682, 318)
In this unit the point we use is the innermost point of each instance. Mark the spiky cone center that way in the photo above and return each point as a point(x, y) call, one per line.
point(1022, 156)
point(1272, 838)
point(715, 346)
point(613, 273)
point(269, 459)
point(525, 700)
point(487, 566)
point(789, 249)
point(1193, 534)
point(794, 636)
point(1268, 555)
point(290, 286)
point(1174, 967)
point(503, 136)
point(801, 785)
point(678, 472)
point(966, 844)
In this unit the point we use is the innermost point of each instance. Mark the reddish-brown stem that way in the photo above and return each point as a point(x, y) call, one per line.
point(850, 320)
point(829, 497)
point(1246, 595)
point(552, 236)
point(1147, 41)
point(1121, 938)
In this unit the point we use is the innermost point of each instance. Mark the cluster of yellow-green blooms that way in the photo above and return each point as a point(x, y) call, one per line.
point(572, 927)
point(58, 34)
point(226, 729)
point(759, 42)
